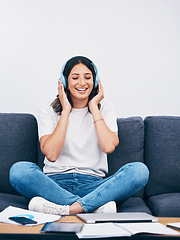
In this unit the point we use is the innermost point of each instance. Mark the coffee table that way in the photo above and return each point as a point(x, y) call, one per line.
point(17, 232)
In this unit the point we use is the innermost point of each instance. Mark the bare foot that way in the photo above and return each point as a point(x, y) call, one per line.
point(75, 208)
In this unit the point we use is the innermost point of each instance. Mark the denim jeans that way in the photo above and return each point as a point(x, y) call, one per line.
point(90, 191)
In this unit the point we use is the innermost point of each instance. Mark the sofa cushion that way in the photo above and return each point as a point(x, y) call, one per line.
point(7, 200)
point(131, 144)
point(133, 204)
point(165, 205)
point(18, 142)
point(40, 157)
point(162, 154)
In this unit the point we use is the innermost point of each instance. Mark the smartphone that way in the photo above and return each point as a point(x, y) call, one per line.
point(23, 220)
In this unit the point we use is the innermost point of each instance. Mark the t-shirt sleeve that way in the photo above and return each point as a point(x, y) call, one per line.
point(109, 114)
point(46, 122)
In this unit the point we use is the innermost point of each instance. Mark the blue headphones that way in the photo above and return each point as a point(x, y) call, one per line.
point(63, 80)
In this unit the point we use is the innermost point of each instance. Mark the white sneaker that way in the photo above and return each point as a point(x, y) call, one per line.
point(109, 207)
point(39, 204)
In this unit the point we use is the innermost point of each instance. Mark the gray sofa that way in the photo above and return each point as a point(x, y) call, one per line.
point(154, 141)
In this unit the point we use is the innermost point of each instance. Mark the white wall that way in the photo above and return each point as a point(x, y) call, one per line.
point(134, 43)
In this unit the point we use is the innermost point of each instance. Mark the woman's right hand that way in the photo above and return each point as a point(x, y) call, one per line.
point(52, 144)
point(66, 106)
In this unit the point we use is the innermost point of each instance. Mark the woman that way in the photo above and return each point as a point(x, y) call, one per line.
point(76, 132)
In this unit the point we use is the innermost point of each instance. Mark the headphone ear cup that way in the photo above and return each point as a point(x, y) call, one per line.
point(62, 78)
point(96, 82)
point(63, 81)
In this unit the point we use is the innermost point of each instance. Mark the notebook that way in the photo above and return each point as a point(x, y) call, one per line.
point(125, 217)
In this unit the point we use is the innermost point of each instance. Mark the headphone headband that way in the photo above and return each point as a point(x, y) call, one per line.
point(63, 80)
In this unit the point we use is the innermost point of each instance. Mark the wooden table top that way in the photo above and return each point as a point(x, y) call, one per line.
point(17, 229)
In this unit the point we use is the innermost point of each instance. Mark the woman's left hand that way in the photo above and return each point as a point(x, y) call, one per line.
point(96, 99)
point(107, 139)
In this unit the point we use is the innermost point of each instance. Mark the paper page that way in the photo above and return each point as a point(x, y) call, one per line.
point(99, 230)
point(40, 218)
point(175, 225)
point(153, 228)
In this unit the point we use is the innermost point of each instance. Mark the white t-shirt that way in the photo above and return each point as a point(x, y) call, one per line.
point(81, 152)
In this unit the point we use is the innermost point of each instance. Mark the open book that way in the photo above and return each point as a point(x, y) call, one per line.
point(100, 230)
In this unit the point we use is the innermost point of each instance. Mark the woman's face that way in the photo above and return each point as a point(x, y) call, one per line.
point(80, 83)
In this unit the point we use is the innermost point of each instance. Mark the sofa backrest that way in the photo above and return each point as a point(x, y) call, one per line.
point(18, 142)
point(131, 144)
point(162, 154)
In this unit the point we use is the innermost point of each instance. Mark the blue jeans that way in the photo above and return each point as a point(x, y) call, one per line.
point(90, 191)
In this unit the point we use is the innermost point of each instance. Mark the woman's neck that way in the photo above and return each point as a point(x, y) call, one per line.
point(80, 104)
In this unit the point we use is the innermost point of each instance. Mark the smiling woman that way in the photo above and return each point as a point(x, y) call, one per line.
point(80, 85)
point(70, 71)
point(75, 136)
